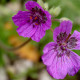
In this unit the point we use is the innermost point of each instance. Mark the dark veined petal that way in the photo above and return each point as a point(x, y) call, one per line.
point(48, 23)
point(65, 64)
point(65, 26)
point(58, 69)
point(21, 18)
point(26, 30)
point(38, 35)
point(76, 35)
point(49, 53)
point(49, 57)
point(48, 47)
point(31, 4)
point(74, 63)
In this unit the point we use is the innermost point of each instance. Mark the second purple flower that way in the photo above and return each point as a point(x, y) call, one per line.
point(58, 57)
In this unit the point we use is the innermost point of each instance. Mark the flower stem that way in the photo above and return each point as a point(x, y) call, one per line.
point(56, 20)
point(51, 29)
point(15, 48)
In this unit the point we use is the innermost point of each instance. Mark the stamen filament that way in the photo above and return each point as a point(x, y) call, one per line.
point(30, 17)
point(67, 38)
point(35, 18)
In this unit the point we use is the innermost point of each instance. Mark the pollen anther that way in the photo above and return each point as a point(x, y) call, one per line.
point(36, 24)
point(30, 17)
point(35, 18)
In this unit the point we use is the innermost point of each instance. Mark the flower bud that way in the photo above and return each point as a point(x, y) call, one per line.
point(46, 6)
point(64, 19)
point(41, 3)
point(55, 11)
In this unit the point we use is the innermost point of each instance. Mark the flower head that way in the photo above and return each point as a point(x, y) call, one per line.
point(34, 22)
point(58, 57)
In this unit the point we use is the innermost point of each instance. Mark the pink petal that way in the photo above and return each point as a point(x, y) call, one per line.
point(49, 57)
point(48, 47)
point(26, 30)
point(21, 18)
point(74, 63)
point(48, 23)
point(58, 69)
point(65, 26)
point(63, 65)
point(76, 34)
point(38, 35)
point(31, 4)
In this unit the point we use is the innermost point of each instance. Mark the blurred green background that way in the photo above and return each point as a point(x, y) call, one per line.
point(26, 63)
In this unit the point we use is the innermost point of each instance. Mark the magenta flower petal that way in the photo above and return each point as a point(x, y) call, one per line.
point(63, 65)
point(48, 47)
point(26, 30)
point(58, 69)
point(76, 35)
point(21, 18)
point(73, 64)
point(65, 26)
point(49, 57)
point(31, 4)
point(40, 33)
point(48, 23)
point(49, 54)
point(56, 33)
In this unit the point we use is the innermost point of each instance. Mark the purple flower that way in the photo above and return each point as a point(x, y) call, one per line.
point(32, 23)
point(58, 57)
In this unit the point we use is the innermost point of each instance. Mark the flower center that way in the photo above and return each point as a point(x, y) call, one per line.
point(61, 37)
point(64, 40)
point(37, 16)
point(64, 43)
point(61, 50)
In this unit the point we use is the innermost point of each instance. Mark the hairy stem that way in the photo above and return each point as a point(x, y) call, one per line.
point(15, 48)
point(56, 20)
point(51, 29)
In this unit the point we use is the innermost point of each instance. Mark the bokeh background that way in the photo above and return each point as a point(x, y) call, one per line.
point(26, 63)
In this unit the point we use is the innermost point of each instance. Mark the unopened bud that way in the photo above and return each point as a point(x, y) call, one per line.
point(41, 3)
point(64, 19)
point(55, 11)
point(46, 6)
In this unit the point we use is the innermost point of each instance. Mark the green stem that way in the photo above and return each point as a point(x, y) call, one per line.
point(15, 48)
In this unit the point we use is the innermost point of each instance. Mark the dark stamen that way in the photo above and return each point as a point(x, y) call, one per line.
point(38, 16)
point(67, 38)
point(71, 43)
